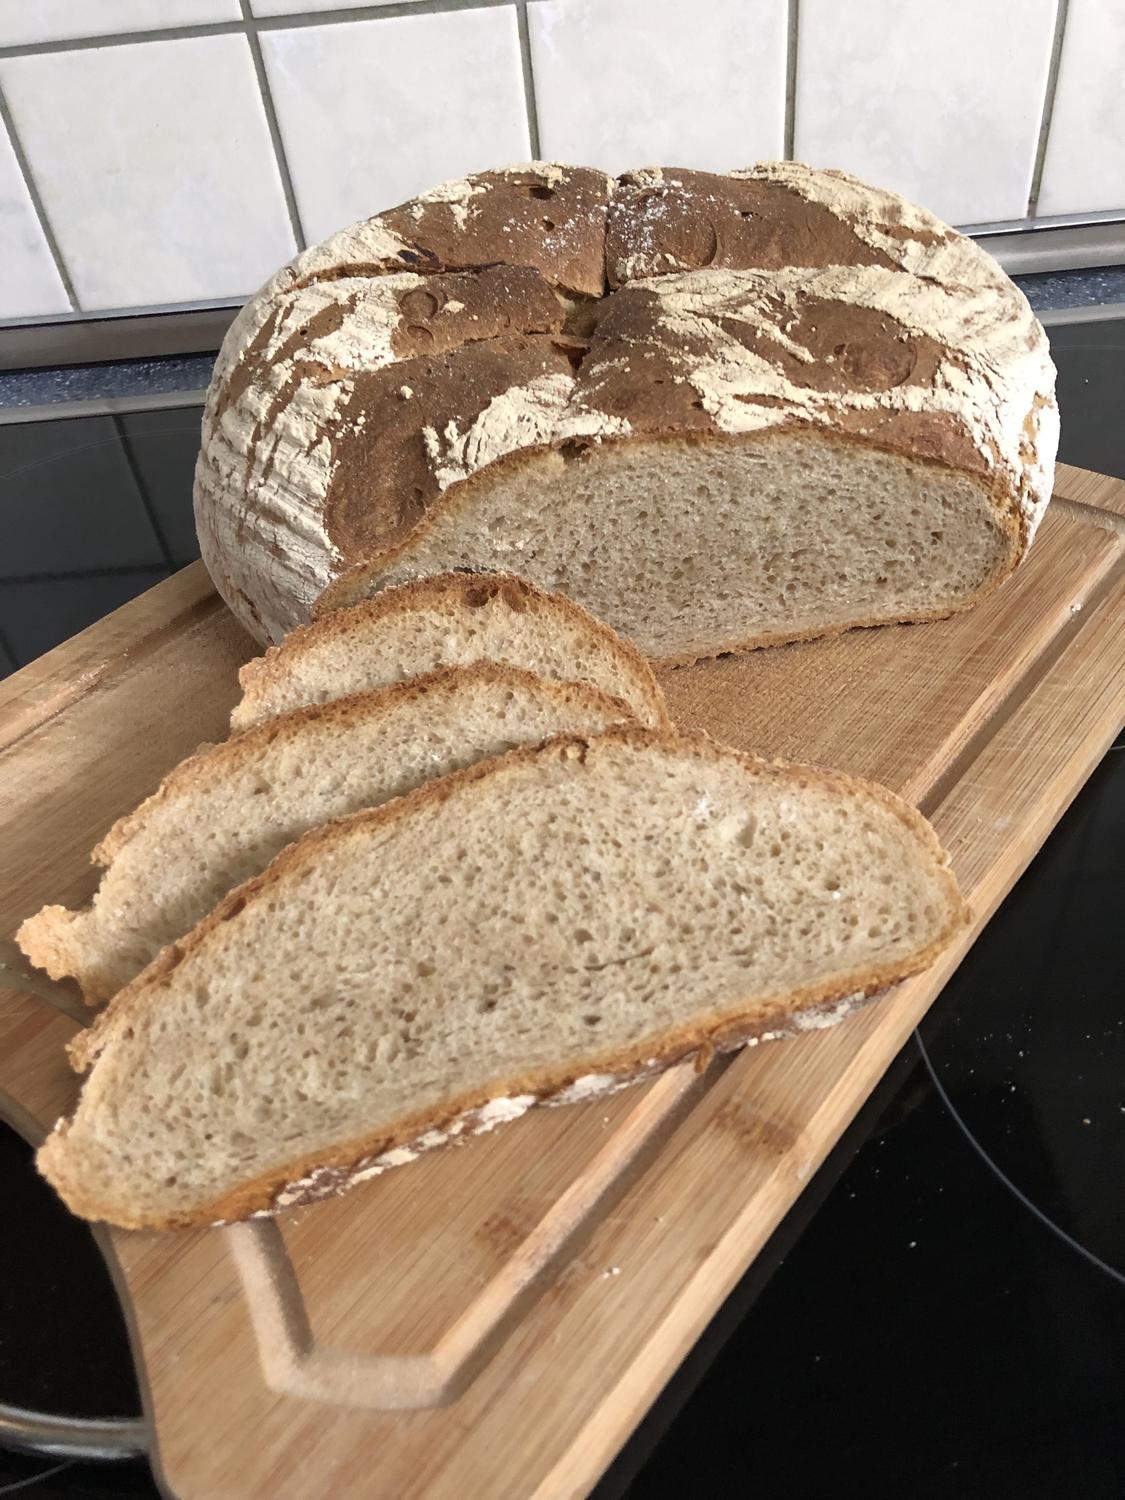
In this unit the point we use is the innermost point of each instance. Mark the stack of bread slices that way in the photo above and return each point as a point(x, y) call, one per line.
point(453, 861)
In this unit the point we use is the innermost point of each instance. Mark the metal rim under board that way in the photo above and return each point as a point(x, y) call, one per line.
point(73, 1437)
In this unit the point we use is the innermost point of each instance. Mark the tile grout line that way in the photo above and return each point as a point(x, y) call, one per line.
point(1049, 91)
point(530, 102)
point(37, 203)
point(126, 447)
point(791, 39)
point(120, 39)
point(272, 125)
point(299, 20)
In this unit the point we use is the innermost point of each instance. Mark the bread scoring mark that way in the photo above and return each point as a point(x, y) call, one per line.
point(278, 433)
point(370, 243)
point(755, 219)
point(544, 215)
point(527, 416)
point(383, 475)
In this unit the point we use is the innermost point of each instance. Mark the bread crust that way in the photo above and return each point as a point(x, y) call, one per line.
point(45, 940)
point(733, 1026)
point(191, 773)
point(776, 296)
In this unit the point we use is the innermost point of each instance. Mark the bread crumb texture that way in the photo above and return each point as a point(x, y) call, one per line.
point(222, 815)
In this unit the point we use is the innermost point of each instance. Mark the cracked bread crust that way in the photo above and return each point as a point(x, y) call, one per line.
point(422, 349)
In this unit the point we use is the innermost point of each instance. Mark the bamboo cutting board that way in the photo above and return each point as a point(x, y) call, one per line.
point(495, 1319)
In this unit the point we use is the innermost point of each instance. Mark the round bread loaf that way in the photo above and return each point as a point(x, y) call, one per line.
point(718, 411)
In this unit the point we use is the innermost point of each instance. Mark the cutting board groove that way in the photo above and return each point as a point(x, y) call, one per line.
point(495, 1319)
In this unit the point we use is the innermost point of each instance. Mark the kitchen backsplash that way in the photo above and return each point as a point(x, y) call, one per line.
point(172, 152)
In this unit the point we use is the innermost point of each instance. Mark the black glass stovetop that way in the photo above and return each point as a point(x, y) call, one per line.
point(943, 1312)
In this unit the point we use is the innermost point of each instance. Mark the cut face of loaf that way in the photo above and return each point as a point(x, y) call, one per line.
point(587, 907)
point(453, 619)
point(221, 816)
point(692, 548)
point(796, 403)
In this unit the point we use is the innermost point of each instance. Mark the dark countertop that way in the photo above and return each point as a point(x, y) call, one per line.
point(943, 1312)
point(1059, 291)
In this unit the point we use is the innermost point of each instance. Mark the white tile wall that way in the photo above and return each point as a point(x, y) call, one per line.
point(1084, 169)
point(155, 167)
point(942, 101)
point(162, 174)
point(627, 83)
point(292, 7)
point(58, 20)
point(31, 283)
point(374, 112)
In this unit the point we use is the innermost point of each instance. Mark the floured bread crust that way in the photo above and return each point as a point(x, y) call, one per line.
point(920, 368)
point(545, 309)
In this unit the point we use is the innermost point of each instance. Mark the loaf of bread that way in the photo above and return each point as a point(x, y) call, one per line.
point(223, 814)
point(544, 925)
point(718, 411)
point(452, 619)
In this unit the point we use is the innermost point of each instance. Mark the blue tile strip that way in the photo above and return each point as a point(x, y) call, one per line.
point(1048, 291)
point(140, 377)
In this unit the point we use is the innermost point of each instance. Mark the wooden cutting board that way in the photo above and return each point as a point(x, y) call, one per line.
point(495, 1319)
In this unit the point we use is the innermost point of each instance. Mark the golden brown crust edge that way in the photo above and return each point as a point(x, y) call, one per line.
point(731, 1027)
point(333, 615)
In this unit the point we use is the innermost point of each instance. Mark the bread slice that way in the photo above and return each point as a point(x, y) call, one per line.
point(222, 815)
point(449, 619)
point(544, 924)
